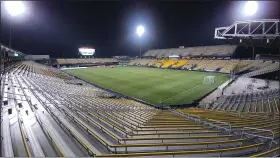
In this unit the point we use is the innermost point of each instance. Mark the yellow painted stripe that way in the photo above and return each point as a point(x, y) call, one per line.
point(56, 145)
point(256, 105)
point(267, 152)
point(249, 106)
point(276, 105)
point(24, 139)
point(269, 107)
point(262, 110)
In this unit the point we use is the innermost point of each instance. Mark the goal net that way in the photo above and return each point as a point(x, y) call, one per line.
point(209, 79)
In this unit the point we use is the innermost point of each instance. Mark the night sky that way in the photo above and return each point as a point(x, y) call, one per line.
point(60, 28)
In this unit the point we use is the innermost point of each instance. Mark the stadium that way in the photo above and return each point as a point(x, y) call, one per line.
point(212, 100)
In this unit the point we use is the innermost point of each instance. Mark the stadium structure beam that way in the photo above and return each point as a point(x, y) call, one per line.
point(252, 44)
point(252, 32)
point(256, 32)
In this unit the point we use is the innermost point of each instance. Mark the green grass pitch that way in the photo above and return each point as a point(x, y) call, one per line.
point(156, 86)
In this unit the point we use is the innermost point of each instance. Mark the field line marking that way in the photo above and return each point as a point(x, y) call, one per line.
point(180, 93)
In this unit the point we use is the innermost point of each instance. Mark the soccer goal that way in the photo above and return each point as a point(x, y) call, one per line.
point(209, 79)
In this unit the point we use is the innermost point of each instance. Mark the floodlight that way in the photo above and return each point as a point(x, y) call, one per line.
point(86, 51)
point(140, 30)
point(14, 8)
point(250, 8)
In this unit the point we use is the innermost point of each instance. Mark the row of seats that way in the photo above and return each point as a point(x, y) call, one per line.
point(225, 66)
point(180, 63)
point(265, 69)
point(86, 60)
point(31, 68)
point(262, 102)
point(219, 50)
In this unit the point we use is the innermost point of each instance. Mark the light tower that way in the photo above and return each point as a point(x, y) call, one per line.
point(14, 8)
point(140, 30)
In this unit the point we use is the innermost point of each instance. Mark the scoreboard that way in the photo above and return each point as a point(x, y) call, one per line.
point(86, 51)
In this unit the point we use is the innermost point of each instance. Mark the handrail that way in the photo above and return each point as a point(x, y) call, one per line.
point(169, 126)
point(169, 133)
point(267, 152)
point(178, 143)
point(256, 135)
point(218, 126)
point(191, 117)
point(167, 138)
point(182, 152)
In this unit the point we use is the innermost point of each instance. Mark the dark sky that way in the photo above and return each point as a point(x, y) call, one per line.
point(60, 28)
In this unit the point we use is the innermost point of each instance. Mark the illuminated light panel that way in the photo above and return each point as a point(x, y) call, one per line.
point(14, 8)
point(86, 51)
point(250, 8)
point(140, 30)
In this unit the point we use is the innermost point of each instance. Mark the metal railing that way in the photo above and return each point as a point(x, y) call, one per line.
point(191, 117)
point(218, 124)
point(261, 137)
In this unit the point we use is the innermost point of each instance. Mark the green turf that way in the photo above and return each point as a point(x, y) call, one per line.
point(156, 86)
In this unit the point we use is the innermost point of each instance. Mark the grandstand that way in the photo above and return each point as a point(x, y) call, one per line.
point(104, 124)
point(218, 51)
point(85, 61)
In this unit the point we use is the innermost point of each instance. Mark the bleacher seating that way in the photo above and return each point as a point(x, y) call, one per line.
point(160, 63)
point(106, 125)
point(169, 63)
point(216, 65)
point(230, 66)
point(264, 68)
point(219, 50)
point(203, 64)
point(262, 102)
point(180, 63)
point(86, 61)
point(143, 62)
point(191, 64)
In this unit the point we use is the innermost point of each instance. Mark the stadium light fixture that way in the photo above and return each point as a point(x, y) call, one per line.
point(250, 8)
point(14, 8)
point(140, 30)
point(86, 50)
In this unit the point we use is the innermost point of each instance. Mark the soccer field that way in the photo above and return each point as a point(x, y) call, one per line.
point(156, 86)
